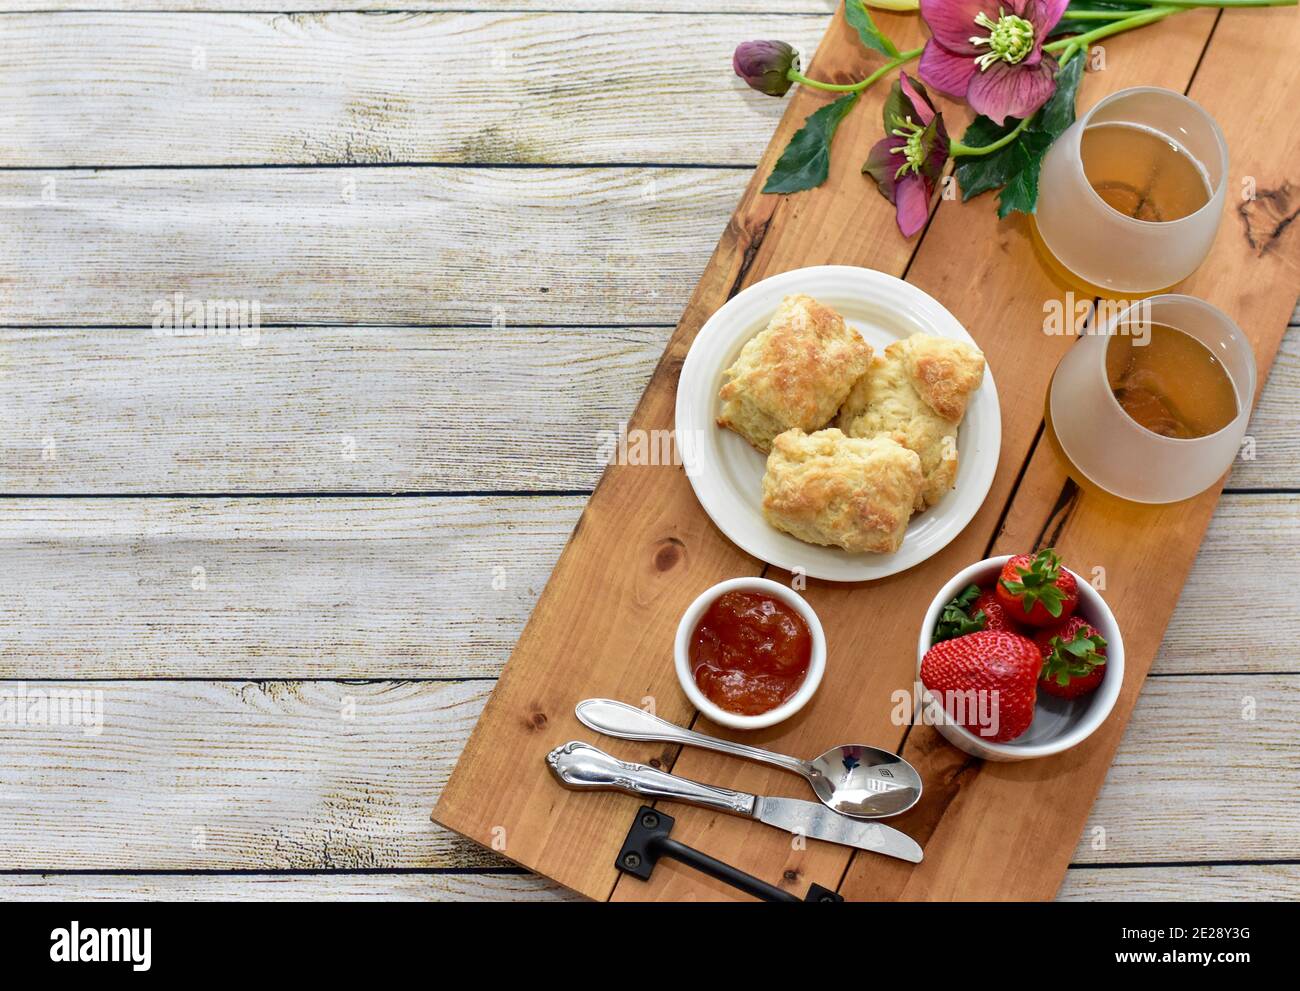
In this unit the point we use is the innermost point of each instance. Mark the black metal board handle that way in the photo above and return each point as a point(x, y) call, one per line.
point(648, 841)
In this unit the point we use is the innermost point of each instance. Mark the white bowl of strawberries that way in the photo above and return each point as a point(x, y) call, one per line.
point(1018, 657)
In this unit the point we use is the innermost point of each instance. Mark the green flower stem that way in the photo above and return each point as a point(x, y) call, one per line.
point(1187, 4)
point(858, 87)
point(798, 77)
point(956, 148)
point(1082, 41)
point(1098, 15)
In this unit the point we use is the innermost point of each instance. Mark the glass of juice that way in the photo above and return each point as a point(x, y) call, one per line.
point(1131, 195)
point(1152, 405)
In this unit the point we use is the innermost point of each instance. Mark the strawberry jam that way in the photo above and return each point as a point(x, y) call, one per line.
point(750, 652)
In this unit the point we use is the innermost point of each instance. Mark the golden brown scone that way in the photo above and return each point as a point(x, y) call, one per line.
point(944, 372)
point(795, 373)
point(916, 393)
point(826, 488)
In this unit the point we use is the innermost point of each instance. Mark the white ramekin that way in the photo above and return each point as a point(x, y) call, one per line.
point(1059, 724)
point(681, 653)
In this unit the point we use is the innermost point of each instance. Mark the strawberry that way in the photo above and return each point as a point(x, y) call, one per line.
point(1074, 658)
point(995, 613)
point(1036, 590)
point(987, 681)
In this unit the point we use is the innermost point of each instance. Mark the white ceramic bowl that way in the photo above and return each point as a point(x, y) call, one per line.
point(816, 665)
point(1059, 724)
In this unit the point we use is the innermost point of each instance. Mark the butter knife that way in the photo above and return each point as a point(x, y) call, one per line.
point(580, 765)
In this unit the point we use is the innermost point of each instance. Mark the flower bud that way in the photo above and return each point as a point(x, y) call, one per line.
point(765, 65)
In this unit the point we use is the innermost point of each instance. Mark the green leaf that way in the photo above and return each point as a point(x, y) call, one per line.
point(855, 12)
point(980, 173)
point(1058, 112)
point(806, 161)
point(1020, 194)
point(1014, 169)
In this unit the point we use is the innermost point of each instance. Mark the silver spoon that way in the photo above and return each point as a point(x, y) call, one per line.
point(855, 780)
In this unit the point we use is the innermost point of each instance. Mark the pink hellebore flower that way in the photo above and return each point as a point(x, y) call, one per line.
point(909, 161)
point(990, 53)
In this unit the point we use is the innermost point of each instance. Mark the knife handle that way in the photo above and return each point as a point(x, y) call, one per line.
point(580, 765)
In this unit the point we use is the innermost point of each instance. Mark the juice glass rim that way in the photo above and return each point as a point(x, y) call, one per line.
point(1243, 403)
point(1220, 142)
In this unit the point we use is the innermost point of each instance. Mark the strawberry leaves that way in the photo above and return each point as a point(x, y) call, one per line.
point(1037, 583)
point(1077, 657)
point(956, 621)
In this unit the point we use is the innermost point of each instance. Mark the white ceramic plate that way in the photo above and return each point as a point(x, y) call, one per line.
point(727, 473)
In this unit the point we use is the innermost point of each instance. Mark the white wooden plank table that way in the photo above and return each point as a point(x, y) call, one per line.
point(292, 567)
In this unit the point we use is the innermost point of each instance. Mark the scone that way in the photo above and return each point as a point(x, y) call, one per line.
point(916, 393)
point(796, 373)
point(826, 488)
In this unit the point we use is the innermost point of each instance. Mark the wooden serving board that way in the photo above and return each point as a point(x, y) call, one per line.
point(644, 549)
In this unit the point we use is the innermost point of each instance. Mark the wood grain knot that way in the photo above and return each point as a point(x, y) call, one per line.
point(537, 720)
point(750, 241)
point(667, 553)
point(960, 773)
point(790, 875)
point(1266, 217)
